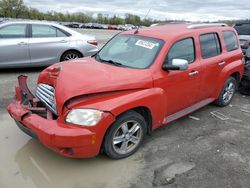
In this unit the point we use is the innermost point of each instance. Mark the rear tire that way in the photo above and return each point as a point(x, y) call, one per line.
point(227, 92)
point(70, 55)
point(125, 136)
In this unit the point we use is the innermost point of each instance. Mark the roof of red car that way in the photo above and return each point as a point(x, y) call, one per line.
point(169, 30)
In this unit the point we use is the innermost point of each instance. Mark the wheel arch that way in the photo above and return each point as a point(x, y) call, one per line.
point(145, 112)
point(70, 50)
point(237, 76)
point(234, 70)
point(153, 112)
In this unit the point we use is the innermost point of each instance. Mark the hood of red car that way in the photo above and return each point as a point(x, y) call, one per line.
point(88, 76)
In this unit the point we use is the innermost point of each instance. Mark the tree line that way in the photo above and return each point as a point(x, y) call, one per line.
point(17, 9)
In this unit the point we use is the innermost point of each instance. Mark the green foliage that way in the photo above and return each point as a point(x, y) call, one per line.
point(17, 9)
point(132, 19)
point(12, 8)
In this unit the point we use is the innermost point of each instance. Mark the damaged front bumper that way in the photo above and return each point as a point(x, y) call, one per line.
point(38, 122)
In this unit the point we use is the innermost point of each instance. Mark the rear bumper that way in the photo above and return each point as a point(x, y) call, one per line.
point(65, 139)
point(91, 51)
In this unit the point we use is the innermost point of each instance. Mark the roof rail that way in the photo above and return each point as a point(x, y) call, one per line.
point(204, 25)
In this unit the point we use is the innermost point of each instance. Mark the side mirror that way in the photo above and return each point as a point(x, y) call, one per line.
point(177, 64)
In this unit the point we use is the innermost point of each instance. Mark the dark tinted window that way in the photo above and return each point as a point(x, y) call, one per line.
point(230, 40)
point(242, 29)
point(183, 49)
point(13, 31)
point(210, 45)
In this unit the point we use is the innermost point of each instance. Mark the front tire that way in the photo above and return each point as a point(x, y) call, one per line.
point(227, 92)
point(125, 136)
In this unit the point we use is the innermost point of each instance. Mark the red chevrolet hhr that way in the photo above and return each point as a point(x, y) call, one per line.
point(139, 81)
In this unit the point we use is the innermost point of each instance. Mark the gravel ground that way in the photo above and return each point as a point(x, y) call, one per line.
point(196, 151)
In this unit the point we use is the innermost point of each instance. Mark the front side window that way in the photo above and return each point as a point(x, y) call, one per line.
point(46, 31)
point(130, 51)
point(13, 31)
point(230, 40)
point(210, 45)
point(183, 49)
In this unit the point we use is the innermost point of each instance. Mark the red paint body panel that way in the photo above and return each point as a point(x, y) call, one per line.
point(154, 99)
point(57, 135)
point(91, 77)
point(168, 95)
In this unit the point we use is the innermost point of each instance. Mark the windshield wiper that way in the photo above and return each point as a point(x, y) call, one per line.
point(111, 62)
point(97, 57)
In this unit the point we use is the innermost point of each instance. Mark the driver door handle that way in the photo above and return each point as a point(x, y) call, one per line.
point(193, 73)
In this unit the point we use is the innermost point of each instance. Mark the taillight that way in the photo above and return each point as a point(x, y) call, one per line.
point(93, 42)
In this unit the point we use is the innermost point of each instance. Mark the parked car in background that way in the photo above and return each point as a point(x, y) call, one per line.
point(82, 25)
point(73, 25)
point(104, 26)
point(88, 25)
point(137, 82)
point(112, 27)
point(97, 26)
point(243, 30)
point(129, 27)
point(244, 86)
point(35, 43)
point(121, 27)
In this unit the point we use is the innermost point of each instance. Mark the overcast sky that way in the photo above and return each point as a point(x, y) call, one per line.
point(192, 10)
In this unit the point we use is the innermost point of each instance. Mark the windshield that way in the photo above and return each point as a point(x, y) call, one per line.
point(130, 51)
point(242, 29)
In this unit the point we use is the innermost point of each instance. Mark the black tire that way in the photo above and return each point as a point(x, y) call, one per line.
point(72, 54)
point(110, 148)
point(221, 100)
point(244, 87)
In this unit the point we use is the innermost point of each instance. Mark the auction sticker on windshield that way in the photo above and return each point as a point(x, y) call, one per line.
point(145, 44)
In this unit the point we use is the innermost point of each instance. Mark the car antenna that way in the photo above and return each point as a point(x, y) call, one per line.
point(137, 30)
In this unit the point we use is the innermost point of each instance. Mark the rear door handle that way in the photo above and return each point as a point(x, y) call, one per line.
point(193, 73)
point(22, 43)
point(222, 63)
point(63, 41)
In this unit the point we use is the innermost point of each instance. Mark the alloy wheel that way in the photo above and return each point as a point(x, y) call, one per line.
point(71, 56)
point(229, 92)
point(127, 137)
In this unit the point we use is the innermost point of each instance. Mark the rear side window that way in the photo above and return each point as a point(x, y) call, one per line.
point(46, 31)
point(210, 45)
point(13, 31)
point(230, 40)
point(183, 49)
point(43, 31)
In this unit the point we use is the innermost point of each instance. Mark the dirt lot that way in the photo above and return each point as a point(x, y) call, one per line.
point(197, 151)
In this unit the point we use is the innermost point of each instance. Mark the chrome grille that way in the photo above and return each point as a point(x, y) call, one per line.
point(46, 94)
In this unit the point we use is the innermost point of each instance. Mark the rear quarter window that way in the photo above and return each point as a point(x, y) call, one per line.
point(230, 40)
point(210, 45)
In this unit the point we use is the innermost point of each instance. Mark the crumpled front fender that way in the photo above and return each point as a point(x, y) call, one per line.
point(118, 102)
